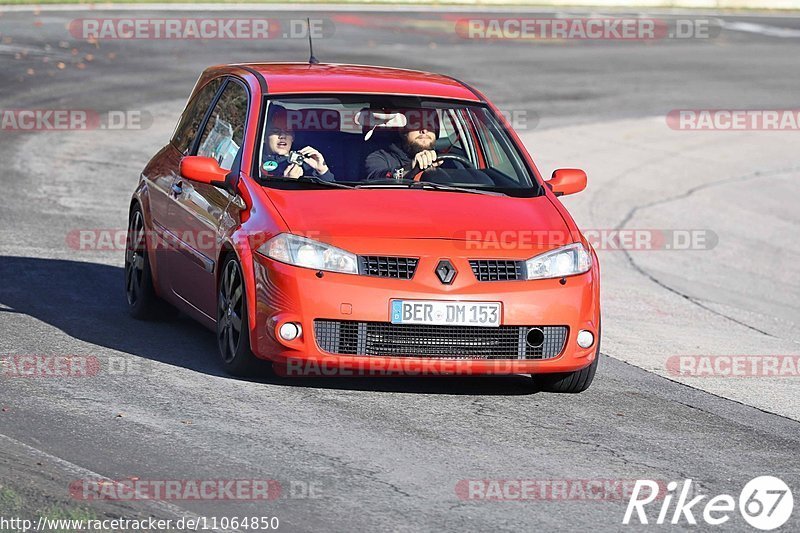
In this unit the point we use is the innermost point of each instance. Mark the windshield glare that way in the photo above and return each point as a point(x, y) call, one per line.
point(388, 141)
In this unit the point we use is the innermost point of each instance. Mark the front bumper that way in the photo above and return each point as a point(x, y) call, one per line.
point(285, 293)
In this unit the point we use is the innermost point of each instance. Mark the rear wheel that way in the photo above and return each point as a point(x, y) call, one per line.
point(233, 332)
point(143, 303)
point(569, 382)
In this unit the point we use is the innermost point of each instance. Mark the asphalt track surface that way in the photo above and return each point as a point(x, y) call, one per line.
point(391, 454)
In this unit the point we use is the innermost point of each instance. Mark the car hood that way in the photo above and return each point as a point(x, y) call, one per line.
point(414, 214)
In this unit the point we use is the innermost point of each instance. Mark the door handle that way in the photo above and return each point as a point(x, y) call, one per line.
point(177, 189)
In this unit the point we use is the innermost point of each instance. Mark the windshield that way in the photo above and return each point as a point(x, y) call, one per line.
point(387, 141)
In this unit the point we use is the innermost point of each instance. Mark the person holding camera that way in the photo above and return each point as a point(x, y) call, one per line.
point(280, 160)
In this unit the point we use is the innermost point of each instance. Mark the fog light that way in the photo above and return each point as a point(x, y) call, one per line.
point(535, 337)
point(585, 338)
point(290, 331)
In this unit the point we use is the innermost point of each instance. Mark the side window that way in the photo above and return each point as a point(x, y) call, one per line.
point(193, 115)
point(496, 155)
point(224, 130)
point(450, 131)
point(462, 120)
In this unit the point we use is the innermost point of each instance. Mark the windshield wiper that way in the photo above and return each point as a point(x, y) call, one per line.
point(410, 184)
point(310, 179)
point(406, 183)
point(452, 188)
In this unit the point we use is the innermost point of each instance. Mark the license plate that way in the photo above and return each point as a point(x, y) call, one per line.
point(486, 314)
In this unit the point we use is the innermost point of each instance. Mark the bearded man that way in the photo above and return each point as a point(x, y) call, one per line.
point(414, 148)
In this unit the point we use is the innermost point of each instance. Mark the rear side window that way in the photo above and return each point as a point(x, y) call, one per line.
point(224, 131)
point(193, 115)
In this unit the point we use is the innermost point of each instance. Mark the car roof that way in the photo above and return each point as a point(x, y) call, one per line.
point(296, 78)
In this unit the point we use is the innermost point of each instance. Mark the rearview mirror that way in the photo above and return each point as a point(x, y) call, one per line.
point(203, 170)
point(369, 118)
point(567, 181)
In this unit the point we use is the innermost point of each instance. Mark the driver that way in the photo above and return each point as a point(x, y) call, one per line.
point(413, 149)
point(278, 158)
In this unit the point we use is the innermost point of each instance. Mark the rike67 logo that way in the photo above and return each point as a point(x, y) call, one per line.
point(765, 503)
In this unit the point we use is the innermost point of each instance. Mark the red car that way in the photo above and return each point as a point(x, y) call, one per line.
point(353, 220)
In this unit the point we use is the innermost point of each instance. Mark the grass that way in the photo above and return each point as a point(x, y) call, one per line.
point(10, 501)
point(72, 513)
point(12, 505)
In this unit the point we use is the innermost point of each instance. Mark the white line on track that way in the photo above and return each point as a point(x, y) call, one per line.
point(762, 29)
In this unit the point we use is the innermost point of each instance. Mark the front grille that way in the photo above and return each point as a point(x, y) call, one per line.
point(387, 266)
point(497, 269)
point(346, 337)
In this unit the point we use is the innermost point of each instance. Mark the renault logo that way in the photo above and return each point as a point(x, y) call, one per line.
point(446, 272)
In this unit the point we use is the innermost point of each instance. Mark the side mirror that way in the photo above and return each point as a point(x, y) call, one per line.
point(203, 170)
point(567, 181)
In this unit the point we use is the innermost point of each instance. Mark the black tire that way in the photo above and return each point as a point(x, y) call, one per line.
point(143, 303)
point(233, 332)
point(569, 382)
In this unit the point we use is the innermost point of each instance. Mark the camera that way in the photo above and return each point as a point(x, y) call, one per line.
point(296, 158)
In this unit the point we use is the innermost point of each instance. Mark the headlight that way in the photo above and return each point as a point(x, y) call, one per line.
point(302, 252)
point(565, 261)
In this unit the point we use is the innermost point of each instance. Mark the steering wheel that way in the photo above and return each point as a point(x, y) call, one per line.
point(445, 157)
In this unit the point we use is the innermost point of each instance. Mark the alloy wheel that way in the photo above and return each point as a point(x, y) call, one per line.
point(135, 258)
point(230, 311)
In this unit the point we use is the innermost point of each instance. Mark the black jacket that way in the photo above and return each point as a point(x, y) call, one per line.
point(382, 164)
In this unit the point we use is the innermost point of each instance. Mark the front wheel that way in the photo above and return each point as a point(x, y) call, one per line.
point(233, 331)
point(569, 382)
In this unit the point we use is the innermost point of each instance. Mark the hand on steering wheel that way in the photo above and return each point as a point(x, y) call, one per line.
point(441, 158)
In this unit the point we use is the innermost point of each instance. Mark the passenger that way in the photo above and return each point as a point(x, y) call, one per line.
point(278, 158)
